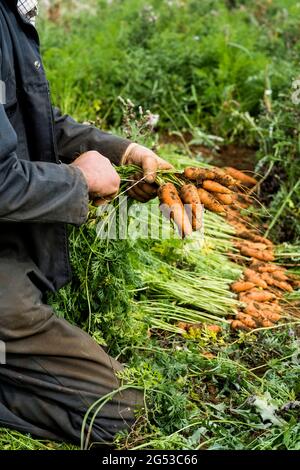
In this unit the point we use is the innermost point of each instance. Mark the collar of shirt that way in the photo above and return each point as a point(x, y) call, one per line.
point(29, 9)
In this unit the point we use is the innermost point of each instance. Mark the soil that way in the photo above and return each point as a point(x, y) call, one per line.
point(242, 158)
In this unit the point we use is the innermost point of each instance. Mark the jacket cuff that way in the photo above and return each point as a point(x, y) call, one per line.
point(81, 209)
point(113, 147)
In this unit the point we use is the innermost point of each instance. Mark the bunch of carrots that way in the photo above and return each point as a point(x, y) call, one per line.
point(260, 292)
point(182, 199)
point(263, 282)
point(227, 191)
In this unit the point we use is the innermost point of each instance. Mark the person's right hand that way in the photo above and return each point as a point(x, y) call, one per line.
point(102, 179)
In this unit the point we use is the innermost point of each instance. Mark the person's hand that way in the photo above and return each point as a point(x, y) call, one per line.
point(102, 179)
point(149, 163)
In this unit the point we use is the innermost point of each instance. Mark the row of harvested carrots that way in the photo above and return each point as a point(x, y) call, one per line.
point(260, 292)
point(263, 283)
point(224, 191)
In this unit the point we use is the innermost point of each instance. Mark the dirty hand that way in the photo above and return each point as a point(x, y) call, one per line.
point(149, 162)
point(102, 179)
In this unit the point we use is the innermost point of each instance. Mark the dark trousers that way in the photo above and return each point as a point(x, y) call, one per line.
point(54, 371)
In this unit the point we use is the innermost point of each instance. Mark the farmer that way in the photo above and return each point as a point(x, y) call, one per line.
point(49, 168)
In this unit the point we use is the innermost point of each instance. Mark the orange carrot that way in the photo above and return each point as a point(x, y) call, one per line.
point(268, 279)
point(248, 235)
point(189, 196)
point(283, 285)
point(214, 187)
point(260, 255)
point(246, 180)
point(214, 328)
point(241, 286)
point(222, 178)
point(253, 277)
point(172, 207)
point(253, 245)
point(267, 323)
point(272, 316)
point(270, 306)
point(269, 268)
point(225, 199)
point(262, 316)
point(280, 276)
point(209, 201)
point(215, 174)
point(258, 296)
point(238, 325)
point(198, 174)
point(246, 320)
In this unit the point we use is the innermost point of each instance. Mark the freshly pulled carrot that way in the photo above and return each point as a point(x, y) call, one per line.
point(209, 201)
point(172, 207)
point(214, 328)
point(252, 311)
point(215, 174)
point(280, 276)
point(252, 276)
point(222, 178)
point(283, 285)
point(267, 311)
point(214, 187)
point(269, 268)
point(268, 279)
point(238, 325)
point(246, 180)
point(253, 245)
point(248, 235)
point(241, 286)
point(225, 199)
point(272, 316)
point(247, 320)
point(267, 323)
point(189, 196)
point(198, 174)
point(270, 306)
point(260, 255)
point(258, 296)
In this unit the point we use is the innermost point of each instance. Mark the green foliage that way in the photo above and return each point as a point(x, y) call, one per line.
point(220, 67)
point(212, 68)
point(246, 397)
point(200, 60)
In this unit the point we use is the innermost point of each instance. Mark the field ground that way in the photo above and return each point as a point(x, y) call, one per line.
point(219, 75)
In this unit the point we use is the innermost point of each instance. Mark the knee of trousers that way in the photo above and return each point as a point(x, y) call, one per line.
point(21, 309)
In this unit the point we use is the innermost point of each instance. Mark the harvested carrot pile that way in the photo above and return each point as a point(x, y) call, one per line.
point(263, 283)
point(230, 193)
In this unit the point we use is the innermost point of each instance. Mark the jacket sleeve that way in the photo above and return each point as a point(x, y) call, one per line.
point(38, 191)
point(73, 139)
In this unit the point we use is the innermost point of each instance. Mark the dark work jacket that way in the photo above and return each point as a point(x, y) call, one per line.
point(39, 192)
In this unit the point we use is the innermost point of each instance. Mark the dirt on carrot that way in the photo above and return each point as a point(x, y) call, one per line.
point(172, 207)
point(240, 176)
point(252, 276)
point(209, 201)
point(190, 197)
point(225, 199)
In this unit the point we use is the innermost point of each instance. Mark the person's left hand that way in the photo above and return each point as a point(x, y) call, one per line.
point(149, 163)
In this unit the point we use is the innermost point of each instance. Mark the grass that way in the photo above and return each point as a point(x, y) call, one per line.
point(205, 69)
